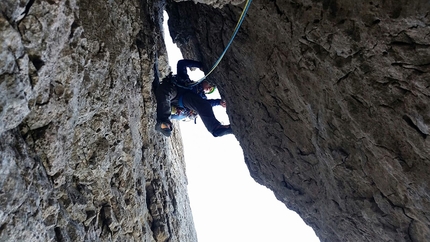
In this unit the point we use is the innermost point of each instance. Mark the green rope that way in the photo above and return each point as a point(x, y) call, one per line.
point(239, 23)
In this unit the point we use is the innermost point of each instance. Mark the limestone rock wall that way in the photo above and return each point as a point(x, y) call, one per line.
point(330, 102)
point(80, 160)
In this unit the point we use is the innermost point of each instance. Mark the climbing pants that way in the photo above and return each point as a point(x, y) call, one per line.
point(167, 94)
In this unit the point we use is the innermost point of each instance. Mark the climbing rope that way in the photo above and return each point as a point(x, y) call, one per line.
point(239, 23)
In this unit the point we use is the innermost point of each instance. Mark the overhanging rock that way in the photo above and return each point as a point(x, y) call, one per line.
point(330, 103)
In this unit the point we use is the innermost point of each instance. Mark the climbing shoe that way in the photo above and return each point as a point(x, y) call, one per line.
point(164, 128)
point(222, 130)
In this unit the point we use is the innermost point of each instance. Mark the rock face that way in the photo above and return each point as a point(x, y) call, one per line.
point(80, 160)
point(330, 102)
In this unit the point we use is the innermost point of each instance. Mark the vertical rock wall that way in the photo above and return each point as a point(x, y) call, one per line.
point(80, 160)
point(330, 102)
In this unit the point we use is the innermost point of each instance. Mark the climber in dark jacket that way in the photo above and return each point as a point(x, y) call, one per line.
point(168, 93)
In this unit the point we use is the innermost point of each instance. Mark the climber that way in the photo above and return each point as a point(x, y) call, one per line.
point(173, 91)
point(177, 113)
point(186, 114)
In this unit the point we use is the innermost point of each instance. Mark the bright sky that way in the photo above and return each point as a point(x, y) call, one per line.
point(227, 204)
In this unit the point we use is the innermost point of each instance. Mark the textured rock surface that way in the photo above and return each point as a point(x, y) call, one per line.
point(330, 102)
point(80, 160)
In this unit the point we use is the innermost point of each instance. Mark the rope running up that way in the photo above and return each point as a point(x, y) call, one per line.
point(239, 23)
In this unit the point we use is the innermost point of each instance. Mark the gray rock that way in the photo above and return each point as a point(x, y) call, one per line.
point(80, 160)
point(330, 103)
